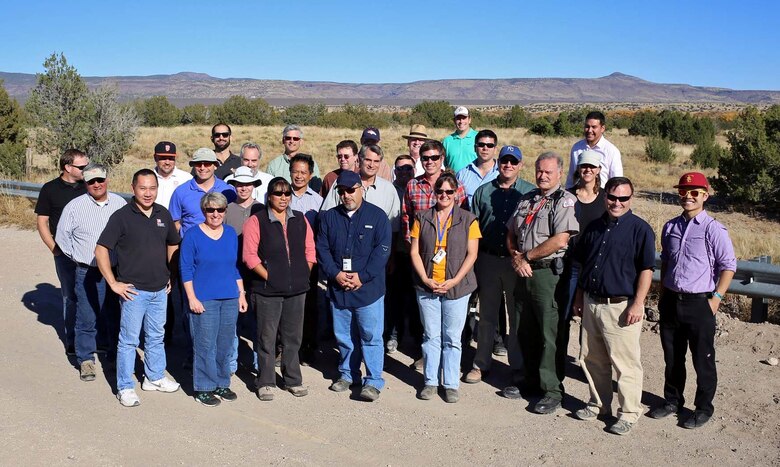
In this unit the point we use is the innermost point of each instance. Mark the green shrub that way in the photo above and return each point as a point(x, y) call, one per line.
point(238, 110)
point(659, 150)
point(707, 154)
point(541, 127)
point(195, 114)
point(304, 114)
point(12, 135)
point(158, 111)
point(433, 114)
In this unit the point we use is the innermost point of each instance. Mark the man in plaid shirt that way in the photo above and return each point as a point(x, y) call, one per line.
point(419, 192)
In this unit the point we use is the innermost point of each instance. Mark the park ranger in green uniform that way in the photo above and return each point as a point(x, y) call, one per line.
point(537, 236)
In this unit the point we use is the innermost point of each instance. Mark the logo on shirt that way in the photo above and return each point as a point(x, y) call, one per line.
point(160, 223)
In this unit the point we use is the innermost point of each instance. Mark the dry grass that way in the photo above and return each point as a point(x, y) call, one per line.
point(17, 212)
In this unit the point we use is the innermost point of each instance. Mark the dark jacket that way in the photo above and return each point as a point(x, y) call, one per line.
point(288, 274)
point(457, 249)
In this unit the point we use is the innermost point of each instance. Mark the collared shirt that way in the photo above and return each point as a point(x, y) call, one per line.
point(140, 243)
point(365, 238)
point(228, 167)
point(471, 178)
point(460, 149)
point(185, 202)
point(493, 207)
point(531, 223)
point(252, 239)
point(81, 224)
point(236, 215)
point(308, 203)
point(695, 253)
point(54, 195)
point(420, 196)
point(381, 194)
point(260, 193)
point(611, 162)
point(280, 167)
point(613, 253)
point(167, 185)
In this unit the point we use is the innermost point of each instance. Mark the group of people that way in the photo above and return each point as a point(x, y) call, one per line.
point(227, 250)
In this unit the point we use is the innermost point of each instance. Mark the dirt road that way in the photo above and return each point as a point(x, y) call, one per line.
point(50, 417)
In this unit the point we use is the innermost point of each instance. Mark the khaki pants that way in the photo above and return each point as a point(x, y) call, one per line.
point(607, 344)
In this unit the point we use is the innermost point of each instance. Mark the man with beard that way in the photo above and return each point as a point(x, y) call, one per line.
point(228, 162)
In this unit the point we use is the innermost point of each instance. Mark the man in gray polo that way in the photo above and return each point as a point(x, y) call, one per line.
point(292, 139)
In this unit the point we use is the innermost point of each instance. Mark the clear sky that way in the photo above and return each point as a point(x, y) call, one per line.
point(705, 43)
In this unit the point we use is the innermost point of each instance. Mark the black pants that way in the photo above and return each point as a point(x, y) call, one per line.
point(496, 280)
point(310, 315)
point(285, 315)
point(401, 302)
point(688, 323)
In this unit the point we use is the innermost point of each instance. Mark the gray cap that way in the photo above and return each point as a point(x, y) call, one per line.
point(589, 157)
point(93, 171)
point(204, 155)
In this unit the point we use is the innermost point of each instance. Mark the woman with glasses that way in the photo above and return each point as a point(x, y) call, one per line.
point(445, 239)
point(215, 292)
point(590, 206)
point(279, 250)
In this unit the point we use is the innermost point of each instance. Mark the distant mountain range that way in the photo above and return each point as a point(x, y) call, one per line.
point(189, 87)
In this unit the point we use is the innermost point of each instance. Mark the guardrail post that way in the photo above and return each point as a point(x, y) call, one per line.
point(759, 310)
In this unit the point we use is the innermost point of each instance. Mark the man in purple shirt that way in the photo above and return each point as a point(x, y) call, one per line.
point(697, 265)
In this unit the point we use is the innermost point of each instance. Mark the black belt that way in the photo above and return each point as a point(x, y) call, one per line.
point(607, 300)
point(689, 296)
point(541, 264)
point(84, 265)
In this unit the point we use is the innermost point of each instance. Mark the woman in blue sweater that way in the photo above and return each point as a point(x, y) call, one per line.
point(215, 293)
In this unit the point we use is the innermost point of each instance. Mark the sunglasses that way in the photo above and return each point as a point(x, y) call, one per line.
point(96, 180)
point(80, 167)
point(622, 199)
point(691, 193)
point(223, 134)
point(486, 145)
point(404, 168)
point(343, 156)
point(166, 158)
point(213, 210)
point(509, 160)
point(588, 166)
point(201, 164)
point(349, 191)
point(292, 138)
point(445, 192)
point(281, 193)
point(434, 158)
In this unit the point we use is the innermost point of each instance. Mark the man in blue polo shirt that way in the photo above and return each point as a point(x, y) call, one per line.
point(353, 246)
point(617, 253)
point(460, 144)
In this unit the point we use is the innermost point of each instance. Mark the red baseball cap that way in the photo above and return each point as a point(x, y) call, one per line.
point(693, 180)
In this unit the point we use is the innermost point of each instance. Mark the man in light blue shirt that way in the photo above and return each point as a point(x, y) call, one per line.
point(460, 144)
point(484, 169)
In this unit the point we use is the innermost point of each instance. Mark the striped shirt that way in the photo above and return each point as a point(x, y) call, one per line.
point(81, 224)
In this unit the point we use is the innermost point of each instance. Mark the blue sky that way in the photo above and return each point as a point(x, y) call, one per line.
point(704, 43)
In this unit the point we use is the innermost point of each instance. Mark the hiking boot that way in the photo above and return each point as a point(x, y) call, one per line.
point(547, 405)
point(697, 420)
point(340, 385)
point(451, 396)
point(128, 398)
point(163, 385)
point(87, 371)
point(427, 393)
point(265, 393)
point(207, 398)
point(474, 376)
point(298, 391)
point(225, 394)
point(369, 393)
point(663, 411)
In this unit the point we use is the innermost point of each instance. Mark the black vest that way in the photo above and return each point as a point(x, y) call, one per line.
point(287, 275)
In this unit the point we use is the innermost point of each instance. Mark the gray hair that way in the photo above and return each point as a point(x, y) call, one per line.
point(213, 199)
point(251, 145)
point(290, 128)
point(550, 155)
point(373, 148)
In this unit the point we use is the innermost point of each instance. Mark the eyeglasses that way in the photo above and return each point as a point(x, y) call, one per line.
point(486, 145)
point(343, 156)
point(445, 192)
point(622, 199)
point(292, 138)
point(201, 164)
point(223, 134)
point(281, 193)
point(691, 193)
point(349, 191)
point(509, 160)
point(434, 158)
point(404, 168)
point(96, 180)
point(213, 210)
point(80, 167)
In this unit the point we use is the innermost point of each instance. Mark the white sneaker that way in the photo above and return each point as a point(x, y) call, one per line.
point(163, 385)
point(128, 398)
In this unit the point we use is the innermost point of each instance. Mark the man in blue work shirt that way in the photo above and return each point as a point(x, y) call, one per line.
point(353, 246)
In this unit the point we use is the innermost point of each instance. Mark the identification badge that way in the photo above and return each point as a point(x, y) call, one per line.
point(439, 256)
point(346, 264)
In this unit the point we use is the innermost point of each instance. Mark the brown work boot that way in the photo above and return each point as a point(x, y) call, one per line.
point(473, 376)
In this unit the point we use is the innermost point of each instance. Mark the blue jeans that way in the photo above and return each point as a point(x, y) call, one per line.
point(96, 314)
point(66, 273)
point(443, 320)
point(359, 336)
point(212, 343)
point(147, 309)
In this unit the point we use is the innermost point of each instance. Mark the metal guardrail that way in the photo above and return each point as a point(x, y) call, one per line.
point(757, 278)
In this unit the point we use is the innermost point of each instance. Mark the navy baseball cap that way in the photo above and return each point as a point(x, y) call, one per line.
point(513, 151)
point(348, 179)
point(370, 134)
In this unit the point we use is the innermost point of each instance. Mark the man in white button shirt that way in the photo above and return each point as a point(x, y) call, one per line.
point(168, 176)
point(611, 162)
point(251, 155)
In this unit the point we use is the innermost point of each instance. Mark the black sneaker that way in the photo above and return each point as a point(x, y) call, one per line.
point(697, 420)
point(663, 411)
point(207, 398)
point(225, 394)
point(547, 405)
